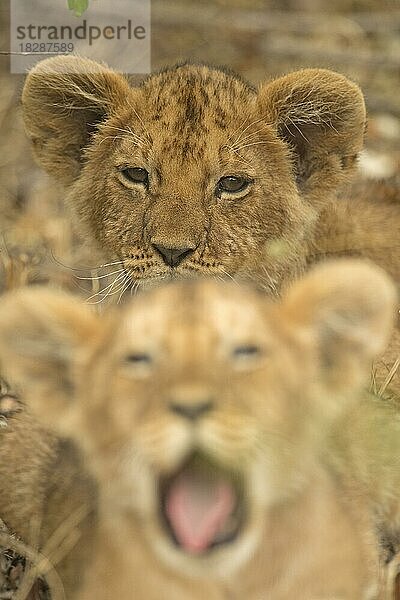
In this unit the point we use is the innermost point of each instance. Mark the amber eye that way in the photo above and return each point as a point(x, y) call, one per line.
point(135, 175)
point(232, 184)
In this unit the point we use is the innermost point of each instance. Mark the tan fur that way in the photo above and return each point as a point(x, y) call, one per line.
point(316, 457)
point(47, 498)
point(296, 138)
point(43, 483)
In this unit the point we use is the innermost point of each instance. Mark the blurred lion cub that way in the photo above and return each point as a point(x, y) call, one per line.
point(237, 455)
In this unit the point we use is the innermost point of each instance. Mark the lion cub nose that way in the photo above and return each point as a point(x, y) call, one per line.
point(173, 256)
point(191, 411)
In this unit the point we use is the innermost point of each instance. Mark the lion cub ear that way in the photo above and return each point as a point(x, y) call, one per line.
point(320, 114)
point(63, 100)
point(346, 309)
point(43, 337)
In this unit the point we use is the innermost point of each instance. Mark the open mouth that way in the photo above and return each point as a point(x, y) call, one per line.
point(202, 505)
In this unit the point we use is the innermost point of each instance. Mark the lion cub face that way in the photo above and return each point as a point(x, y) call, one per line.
point(196, 389)
point(201, 406)
point(194, 172)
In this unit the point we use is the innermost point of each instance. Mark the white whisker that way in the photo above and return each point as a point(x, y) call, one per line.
point(99, 276)
point(111, 264)
point(229, 275)
point(241, 158)
point(245, 129)
point(109, 287)
point(125, 286)
point(128, 131)
point(249, 136)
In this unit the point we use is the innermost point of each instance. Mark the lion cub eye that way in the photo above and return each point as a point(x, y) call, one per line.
point(135, 175)
point(138, 358)
point(138, 365)
point(232, 185)
point(246, 351)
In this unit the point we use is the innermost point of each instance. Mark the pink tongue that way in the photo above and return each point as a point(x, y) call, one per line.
point(198, 507)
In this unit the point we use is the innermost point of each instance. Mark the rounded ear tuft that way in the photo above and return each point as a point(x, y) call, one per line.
point(321, 115)
point(349, 309)
point(63, 100)
point(43, 334)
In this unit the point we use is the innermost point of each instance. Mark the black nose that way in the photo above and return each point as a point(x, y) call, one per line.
point(191, 411)
point(173, 256)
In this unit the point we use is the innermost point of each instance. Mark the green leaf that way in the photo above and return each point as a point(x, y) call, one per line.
point(78, 6)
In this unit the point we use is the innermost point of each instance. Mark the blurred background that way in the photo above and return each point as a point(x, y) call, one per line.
point(259, 39)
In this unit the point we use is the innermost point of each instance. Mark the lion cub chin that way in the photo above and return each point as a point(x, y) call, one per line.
point(237, 453)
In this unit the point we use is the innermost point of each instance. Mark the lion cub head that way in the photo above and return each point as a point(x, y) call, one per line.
point(200, 405)
point(194, 172)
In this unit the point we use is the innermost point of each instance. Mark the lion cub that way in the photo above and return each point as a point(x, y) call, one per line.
point(196, 172)
point(236, 452)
